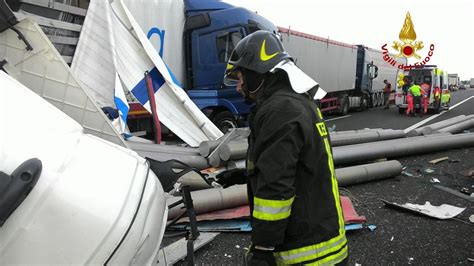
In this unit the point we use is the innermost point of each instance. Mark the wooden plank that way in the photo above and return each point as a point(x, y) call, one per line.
point(57, 6)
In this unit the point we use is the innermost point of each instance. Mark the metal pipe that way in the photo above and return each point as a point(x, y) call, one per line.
point(355, 131)
point(430, 129)
point(367, 136)
point(458, 127)
point(161, 148)
point(206, 147)
point(367, 172)
point(217, 198)
point(234, 150)
point(419, 131)
point(213, 199)
point(236, 164)
point(397, 147)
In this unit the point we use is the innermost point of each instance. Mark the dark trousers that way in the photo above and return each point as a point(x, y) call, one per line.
point(417, 105)
point(386, 98)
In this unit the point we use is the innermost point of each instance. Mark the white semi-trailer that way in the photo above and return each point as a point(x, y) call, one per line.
point(352, 75)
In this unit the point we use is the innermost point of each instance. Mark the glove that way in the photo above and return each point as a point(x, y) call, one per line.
point(231, 177)
point(257, 257)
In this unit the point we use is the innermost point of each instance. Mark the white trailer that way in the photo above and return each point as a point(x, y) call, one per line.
point(352, 75)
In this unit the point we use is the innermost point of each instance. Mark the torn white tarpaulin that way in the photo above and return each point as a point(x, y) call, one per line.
point(112, 42)
point(44, 71)
point(443, 211)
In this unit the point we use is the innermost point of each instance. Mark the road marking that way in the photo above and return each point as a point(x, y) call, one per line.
point(422, 122)
point(434, 116)
point(336, 118)
point(461, 102)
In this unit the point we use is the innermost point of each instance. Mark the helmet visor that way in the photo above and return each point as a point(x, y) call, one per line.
point(231, 77)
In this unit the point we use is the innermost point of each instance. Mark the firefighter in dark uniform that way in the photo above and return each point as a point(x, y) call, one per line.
point(292, 187)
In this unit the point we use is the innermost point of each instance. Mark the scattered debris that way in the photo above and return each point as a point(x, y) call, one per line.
point(434, 180)
point(350, 227)
point(471, 218)
point(435, 161)
point(391, 239)
point(453, 161)
point(471, 260)
point(428, 170)
point(455, 192)
point(468, 172)
point(443, 211)
point(234, 225)
point(350, 214)
point(410, 260)
point(176, 251)
point(372, 227)
point(237, 246)
point(465, 190)
point(357, 264)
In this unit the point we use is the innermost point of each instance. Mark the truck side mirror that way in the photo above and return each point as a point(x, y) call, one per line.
point(373, 71)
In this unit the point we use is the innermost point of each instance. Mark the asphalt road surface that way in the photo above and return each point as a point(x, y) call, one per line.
point(400, 238)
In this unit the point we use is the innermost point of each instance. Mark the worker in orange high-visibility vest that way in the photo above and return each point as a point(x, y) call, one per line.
point(409, 103)
point(425, 92)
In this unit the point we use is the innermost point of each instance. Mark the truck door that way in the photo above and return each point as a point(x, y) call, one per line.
point(210, 52)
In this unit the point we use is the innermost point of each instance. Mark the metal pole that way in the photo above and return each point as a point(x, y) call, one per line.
point(154, 113)
point(234, 150)
point(217, 198)
point(458, 127)
point(236, 164)
point(419, 131)
point(206, 147)
point(367, 136)
point(162, 148)
point(355, 131)
point(430, 129)
point(367, 172)
point(401, 147)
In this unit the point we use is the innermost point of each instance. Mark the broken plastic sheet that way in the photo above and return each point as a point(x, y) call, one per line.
point(444, 211)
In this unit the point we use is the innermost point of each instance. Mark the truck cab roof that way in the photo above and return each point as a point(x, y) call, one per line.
point(199, 5)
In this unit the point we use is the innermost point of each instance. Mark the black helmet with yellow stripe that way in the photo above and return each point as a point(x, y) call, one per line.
point(260, 52)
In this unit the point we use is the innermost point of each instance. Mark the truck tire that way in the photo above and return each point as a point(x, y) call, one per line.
point(364, 102)
point(344, 108)
point(224, 120)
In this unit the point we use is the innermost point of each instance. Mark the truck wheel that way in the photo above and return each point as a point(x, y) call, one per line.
point(224, 121)
point(344, 108)
point(364, 102)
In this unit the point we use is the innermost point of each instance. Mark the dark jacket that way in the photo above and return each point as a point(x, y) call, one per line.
point(292, 186)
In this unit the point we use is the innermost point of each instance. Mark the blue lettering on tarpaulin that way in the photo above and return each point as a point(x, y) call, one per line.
point(140, 90)
point(160, 33)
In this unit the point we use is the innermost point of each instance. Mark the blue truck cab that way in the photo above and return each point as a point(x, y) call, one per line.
point(211, 31)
